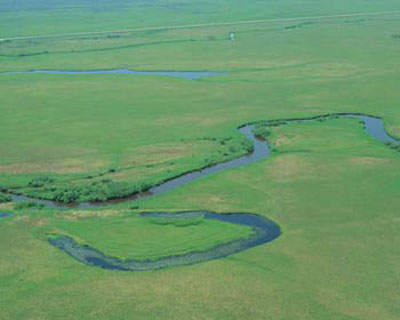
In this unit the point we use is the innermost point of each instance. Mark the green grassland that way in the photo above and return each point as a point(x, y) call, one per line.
point(150, 238)
point(331, 187)
point(24, 17)
point(110, 139)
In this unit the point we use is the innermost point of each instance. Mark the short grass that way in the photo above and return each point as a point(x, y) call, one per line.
point(149, 238)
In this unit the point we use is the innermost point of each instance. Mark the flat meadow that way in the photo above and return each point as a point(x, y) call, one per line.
point(331, 187)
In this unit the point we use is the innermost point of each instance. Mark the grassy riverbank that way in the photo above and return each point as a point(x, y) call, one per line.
point(331, 187)
point(338, 245)
point(148, 238)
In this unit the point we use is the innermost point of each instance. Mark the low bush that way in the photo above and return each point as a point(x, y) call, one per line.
point(177, 222)
point(40, 181)
point(394, 146)
point(101, 190)
point(262, 131)
point(4, 198)
point(29, 205)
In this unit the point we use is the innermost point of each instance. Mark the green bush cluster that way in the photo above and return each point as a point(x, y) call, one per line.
point(4, 198)
point(5, 42)
point(29, 205)
point(104, 189)
point(262, 131)
point(276, 123)
point(231, 148)
point(40, 181)
point(394, 146)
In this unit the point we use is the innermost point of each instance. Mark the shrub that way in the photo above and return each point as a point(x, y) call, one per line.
point(4, 198)
point(262, 131)
point(40, 181)
point(66, 195)
point(29, 205)
point(98, 190)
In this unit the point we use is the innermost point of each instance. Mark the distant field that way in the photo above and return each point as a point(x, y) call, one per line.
point(331, 187)
point(24, 17)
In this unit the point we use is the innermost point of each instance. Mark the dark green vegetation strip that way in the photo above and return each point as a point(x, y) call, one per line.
point(4, 198)
point(127, 46)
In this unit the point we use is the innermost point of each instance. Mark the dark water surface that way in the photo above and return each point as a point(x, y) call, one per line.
point(375, 128)
point(6, 214)
point(189, 75)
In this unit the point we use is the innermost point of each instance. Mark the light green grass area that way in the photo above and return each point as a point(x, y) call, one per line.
point(331, 187)
point(151, 238)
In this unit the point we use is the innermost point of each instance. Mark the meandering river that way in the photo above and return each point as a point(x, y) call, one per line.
point(264, 230)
